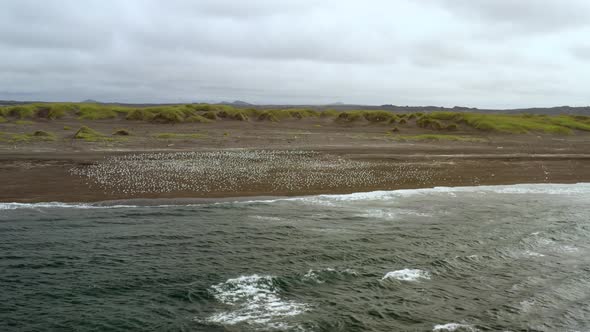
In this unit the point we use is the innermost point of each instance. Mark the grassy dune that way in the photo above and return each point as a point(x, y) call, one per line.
point(205, 113)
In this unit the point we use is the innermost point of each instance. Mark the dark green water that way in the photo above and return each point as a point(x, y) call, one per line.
point(508, 258)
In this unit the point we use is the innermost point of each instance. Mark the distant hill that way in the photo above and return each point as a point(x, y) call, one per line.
point(236, 103)
point(578, 110)
point(91, 101)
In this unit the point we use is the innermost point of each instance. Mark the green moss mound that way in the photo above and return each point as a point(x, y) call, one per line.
point(88, 134)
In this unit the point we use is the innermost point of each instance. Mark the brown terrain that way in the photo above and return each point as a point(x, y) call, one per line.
point(39, 171)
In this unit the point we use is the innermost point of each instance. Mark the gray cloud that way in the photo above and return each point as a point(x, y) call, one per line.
point(523, 16)
point(479, 53)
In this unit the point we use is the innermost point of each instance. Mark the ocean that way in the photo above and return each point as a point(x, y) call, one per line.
point(495, 258)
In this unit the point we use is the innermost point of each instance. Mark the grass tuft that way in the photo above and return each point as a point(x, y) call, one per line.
point(198, 119)
point(233, 114)
point(89, 135)
point(39, 135)
point(95, 112)
point(139, 114)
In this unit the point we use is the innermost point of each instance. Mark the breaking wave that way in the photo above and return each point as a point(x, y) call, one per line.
point(254, 299)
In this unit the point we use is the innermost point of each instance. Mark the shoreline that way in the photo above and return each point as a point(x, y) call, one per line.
point(195, 201)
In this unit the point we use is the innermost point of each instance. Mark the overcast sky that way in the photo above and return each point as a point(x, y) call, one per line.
point(483, 53)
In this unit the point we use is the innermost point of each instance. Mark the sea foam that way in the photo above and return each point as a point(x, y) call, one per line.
point(451, 327)
point(255, 300)
point(332, 200)
point(382, 195)
point(407, 275)
point(15, 206)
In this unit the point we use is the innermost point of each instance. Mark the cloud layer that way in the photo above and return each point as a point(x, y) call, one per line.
point(488, 53)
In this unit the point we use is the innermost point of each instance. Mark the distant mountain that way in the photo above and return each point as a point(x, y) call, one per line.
point(236, 103)
point(91, 101)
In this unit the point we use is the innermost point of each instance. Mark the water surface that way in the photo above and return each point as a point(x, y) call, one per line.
point(502, 258)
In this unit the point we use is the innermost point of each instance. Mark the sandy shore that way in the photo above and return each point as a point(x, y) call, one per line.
point(44, 177)
point(338, 159)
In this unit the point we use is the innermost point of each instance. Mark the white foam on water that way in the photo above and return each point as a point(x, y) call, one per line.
point(331, 200)
point(559, 189)
point(381, 195)
point(566, 249)
point(384, 214)
point(533, 254)
point(266, 218)
point(407, 275)
point(15, 206)
point(255, 300)
point(527, 305)
point(450, 327)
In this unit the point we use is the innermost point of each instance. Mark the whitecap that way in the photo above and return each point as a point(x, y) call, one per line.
point(379, 214)
point(255, 300)
point(533, 254)
point(381, 195)
point(15, 206)
point(266, 218)
point(450, 327)
point(407, 275)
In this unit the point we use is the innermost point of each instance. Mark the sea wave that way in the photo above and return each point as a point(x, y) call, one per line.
point(255, 300)
point(15, 206)
point(454, 327)
point(535, 188)
point(330, 200)
point(407, 275)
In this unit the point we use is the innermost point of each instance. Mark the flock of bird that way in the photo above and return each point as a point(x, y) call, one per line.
point(242, 170)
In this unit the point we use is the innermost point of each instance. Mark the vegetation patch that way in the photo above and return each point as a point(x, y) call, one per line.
point(203, 113)
point(379, 116)
point(23, 122)
point(38, 135)
point(90, 135)
point(95, 112)
point(168, 115)
point(572, 122)
point(428, 123)
point(20, 111)
point(210, 115)
point(198, 118)
point(268, 116)
point(350, 116)
point(139, 114)
point(233, 114)
point(329, 114)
